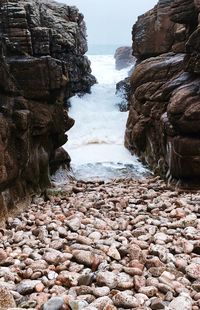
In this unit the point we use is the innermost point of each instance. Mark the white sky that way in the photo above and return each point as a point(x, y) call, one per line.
point(111, 21)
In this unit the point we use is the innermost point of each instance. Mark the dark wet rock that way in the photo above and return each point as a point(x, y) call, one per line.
point(123, 89)
point(184, 11)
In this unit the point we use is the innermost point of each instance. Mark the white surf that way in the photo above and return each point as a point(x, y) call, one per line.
point(96, 142)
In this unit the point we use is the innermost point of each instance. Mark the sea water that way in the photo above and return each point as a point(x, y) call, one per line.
point(96, 142)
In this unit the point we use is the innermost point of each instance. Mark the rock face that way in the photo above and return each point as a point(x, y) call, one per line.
point(123, 57)
point(42, 64)
point(163, 127)
point(153, 33)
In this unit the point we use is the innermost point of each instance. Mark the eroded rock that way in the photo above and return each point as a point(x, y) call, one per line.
point(42, 65)
point(163, 124)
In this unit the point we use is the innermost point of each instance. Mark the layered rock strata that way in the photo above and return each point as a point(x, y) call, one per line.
point(163, 127)
point(42, 64)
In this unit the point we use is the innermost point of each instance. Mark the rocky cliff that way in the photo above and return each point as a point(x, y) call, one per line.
point(163, 127)
point(42, 64)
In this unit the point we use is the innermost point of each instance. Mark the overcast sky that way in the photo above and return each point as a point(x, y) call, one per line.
point(110, 21)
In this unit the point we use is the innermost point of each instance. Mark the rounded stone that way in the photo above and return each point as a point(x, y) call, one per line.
point(27, 286)
point(101, 291)
point(3, 255)
point(124, 300)
point(149, 291)
point(78, 304)
point(54, 303)
point(193, 271)
point(6, 299)
point(74, 224)
point(107, 278)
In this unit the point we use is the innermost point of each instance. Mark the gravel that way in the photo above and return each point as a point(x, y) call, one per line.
point(125, 244)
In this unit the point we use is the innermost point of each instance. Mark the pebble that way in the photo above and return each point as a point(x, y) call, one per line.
point(149, 291)
point(78, 304)
point(52, 257)
point(54, 303)
point(84, 257)
point(107, 278)
point(39, 265)
point(68, 278)
point(157, 304)
point(125, 244)
point(101, 302)
point(113, 253)
point(39, 287)
point(101, 291)
point(96, 235)
point(74, 224)
point(6, 299)
point(124, 281)
point(193, 271)
point(52, 275)
point(141, 298)
point(124, 300)
point(133, 271)
point(182, 302)
point(85, 279)
point(62, 232)
point(196, 285)
point(57, 244)
point(167, 278)
point(26, 286)
point(3, 255)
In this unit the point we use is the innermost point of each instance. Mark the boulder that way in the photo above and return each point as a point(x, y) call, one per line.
point(123, 57)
